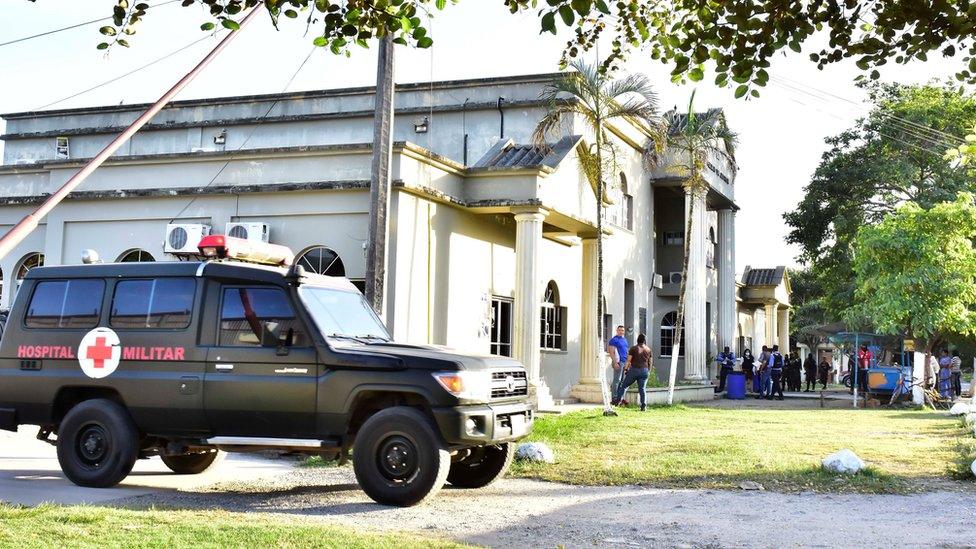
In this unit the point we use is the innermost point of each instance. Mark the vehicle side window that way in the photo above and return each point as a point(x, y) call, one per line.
point(258, 317)
point(153, 303)
point(65, 304)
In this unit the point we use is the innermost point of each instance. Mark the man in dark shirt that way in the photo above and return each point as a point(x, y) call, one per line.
point(776, 373)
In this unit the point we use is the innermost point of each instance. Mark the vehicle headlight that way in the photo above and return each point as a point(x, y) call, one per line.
point(466, 384)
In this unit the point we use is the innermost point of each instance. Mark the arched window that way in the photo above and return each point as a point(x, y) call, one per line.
point(28, 262)
point(552, 330)
point(325, 261)
point(667, 335)
point(135, 255)
point(626, 204)
point(712, 246)
point(321, 260)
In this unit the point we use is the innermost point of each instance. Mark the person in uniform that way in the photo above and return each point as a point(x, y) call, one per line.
point(776, 373)
point(726, 363)
point(810, 373)
point(823, 373)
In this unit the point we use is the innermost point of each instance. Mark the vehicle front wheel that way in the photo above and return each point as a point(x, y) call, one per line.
point(399, 458)
point(482, 466)
point(192, 464)
point(98, 443)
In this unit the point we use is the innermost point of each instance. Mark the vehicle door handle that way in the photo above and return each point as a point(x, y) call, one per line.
point(224, 367)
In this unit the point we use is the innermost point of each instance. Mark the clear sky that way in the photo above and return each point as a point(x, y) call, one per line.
point(781, 134)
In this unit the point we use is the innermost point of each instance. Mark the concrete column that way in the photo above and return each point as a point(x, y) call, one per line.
point(528, 240)
point(591, 348)
point(783, 330)
point(590, 345)
point(758, 330)
point(696, 285)
point(772, 323)
point(726, 278)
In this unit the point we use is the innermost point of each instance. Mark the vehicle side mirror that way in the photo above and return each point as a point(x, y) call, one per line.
point(285, 343)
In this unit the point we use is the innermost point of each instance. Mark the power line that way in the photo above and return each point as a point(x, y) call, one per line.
point(828, 94)
point(834, 115)
point(75, 26)
point(912, 130)
point(130, 73)
point(249, 135)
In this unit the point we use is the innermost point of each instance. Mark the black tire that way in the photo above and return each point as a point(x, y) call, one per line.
point(848, 381)
point(399, 458)
point(192, 464)
point(98, 443)
point(484, 465)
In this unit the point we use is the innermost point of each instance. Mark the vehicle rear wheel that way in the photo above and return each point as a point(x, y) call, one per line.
point(98, 443)
point(399, 458)
point(192, 464)
point(484, 465)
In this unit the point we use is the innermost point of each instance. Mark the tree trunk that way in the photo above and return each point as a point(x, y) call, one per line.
point(599, 257)
point(680, 316)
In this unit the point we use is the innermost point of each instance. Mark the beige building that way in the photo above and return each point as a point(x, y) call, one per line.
point(763, 303)
point(492, 245)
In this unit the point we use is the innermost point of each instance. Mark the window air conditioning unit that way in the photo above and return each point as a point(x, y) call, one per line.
point(674, 277)
point(184, 237)
point(248, 230)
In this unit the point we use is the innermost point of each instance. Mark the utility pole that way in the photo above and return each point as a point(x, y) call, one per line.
point(379, 187)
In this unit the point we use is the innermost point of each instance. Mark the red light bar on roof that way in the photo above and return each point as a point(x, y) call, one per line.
point(227, 247)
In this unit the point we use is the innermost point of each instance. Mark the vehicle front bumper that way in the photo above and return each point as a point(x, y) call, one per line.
point(493, 423)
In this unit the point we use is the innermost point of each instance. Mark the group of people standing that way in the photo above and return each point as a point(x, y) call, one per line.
point(631, 364)
point(772, 372)
point(950, 374)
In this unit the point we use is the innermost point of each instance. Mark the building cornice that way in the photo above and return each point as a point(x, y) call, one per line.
point(314, 94)
point(249, 121)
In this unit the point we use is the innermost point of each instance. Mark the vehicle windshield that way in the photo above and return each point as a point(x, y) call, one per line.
point(342, 314)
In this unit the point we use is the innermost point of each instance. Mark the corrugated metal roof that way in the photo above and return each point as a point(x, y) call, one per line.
point(517, 156)
point(764, 277)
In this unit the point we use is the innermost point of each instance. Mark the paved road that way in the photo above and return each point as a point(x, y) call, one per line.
point(30, 474)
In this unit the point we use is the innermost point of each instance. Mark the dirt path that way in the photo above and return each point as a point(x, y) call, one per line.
point(525, 513)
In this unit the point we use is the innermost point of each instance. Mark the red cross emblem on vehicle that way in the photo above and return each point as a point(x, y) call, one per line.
point(99, 353)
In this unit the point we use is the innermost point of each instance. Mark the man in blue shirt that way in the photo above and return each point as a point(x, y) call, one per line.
point(726, 362)
point(617, 348)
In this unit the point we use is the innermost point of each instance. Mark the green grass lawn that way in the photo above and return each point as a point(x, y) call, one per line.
point(83, 526)
point(693, 447)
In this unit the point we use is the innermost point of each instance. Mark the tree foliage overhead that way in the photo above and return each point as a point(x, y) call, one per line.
point(869, 170)
point(916, 271)
point(734, 38)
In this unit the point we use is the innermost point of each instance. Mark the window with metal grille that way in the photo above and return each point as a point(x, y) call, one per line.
point(674, 238)
point(552, 329)
point(501, 326)
point(667, 335)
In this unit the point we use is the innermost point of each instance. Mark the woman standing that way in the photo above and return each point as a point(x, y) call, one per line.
point(637, 370)
point(748, 363)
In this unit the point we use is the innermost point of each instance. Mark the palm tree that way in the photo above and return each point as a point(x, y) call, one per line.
point(589, 95)
point(692, 139)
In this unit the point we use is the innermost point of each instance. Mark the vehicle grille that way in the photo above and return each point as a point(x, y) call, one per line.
point(509, 383)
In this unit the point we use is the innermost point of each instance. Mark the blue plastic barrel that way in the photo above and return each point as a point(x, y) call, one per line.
point(736, 386)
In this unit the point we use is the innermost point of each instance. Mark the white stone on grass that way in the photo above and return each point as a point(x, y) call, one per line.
point(960, 408)
point(970, 419)
point(535, 451)
point(844, 461)
point(973, 467)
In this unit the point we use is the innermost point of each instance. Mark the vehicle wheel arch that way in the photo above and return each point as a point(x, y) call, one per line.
point(367, 400)
point(70, 396)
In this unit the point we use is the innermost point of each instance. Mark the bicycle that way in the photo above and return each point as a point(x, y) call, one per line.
point(930, 393)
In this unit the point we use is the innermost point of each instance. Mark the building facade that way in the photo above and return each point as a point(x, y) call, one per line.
point(492, 240)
